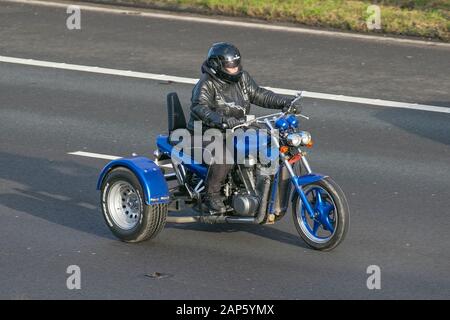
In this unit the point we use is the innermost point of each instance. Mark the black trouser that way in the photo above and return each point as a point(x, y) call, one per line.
point(217, 172)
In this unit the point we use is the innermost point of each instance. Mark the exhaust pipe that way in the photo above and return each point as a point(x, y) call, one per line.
point(265, 182)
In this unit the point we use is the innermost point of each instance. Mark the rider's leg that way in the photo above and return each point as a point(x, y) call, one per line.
point(217, 175)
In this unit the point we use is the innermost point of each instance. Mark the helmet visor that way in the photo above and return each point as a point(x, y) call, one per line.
point(232, 63)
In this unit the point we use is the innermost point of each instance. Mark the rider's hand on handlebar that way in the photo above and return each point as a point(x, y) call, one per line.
point(294, 107)
point(231, 122)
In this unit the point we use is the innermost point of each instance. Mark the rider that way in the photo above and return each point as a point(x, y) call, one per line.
point(222, 98)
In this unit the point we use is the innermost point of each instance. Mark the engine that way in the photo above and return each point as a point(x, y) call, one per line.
point(251, 184)
point(245, 204)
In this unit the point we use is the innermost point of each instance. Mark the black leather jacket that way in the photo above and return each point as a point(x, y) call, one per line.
point(214, 99)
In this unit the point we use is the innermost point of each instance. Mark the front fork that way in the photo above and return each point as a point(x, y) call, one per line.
point(297, 185)
point(294, 177)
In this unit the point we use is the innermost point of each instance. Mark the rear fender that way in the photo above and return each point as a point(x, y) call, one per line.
point(149, 175)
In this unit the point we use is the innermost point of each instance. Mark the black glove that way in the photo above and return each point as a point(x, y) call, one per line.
point(231, 122)
point(296, 108)
point(215, 120)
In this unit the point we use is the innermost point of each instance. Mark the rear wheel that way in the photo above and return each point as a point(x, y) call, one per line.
point(128, 216)
point(331, 221)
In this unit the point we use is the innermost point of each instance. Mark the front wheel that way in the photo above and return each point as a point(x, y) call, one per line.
point(128, 216)
point(331, 221)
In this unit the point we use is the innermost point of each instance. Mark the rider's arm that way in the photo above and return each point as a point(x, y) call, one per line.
point(263, 97)
point(202, 99)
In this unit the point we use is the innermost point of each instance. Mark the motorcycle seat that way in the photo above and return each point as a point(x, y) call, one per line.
point(176, 118)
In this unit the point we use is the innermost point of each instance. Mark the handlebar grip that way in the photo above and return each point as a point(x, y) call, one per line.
point(225, 126)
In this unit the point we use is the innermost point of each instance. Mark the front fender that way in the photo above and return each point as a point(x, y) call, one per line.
point(149, 175)
point(305, 180)
point(309, 178)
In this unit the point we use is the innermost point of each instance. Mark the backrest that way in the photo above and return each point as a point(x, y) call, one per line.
point(175, 112)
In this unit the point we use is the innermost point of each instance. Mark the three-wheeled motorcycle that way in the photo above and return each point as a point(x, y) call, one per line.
point(138, 193)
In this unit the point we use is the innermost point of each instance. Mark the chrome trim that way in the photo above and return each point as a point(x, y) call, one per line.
point(240, 220)
point(306, 164)
point(294, 139)
point(267, 122)
point(170, 175)
point(289, 167)
point(199, 188)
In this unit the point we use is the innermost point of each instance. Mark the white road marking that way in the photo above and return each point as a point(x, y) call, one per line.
point(108, 71)
point(54, 196)
point(365, 101)
point(105, 157)
point(163, 77)
point(190, 18)
point(87, 205)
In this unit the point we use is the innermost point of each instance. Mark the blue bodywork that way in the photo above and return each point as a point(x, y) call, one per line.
point(304, 180)
point(166, 148)
point(281, 124)
point(243, 146)
point(149, 175)
point(309, 178)
point(293, 121)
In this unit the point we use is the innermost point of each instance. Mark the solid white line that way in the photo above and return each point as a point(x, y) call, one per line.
point(94, 155)
point(105, 157)
point(115, 72)
point(163, 77)
point(253, 25)
point(365, 101)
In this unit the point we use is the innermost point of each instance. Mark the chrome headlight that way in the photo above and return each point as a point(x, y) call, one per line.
point(300, 138)
point(294, 139)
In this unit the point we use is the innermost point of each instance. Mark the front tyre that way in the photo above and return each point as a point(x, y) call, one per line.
point(330, 224)
point(127, 215)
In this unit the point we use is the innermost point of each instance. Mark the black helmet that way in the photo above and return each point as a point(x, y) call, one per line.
point(224, 55)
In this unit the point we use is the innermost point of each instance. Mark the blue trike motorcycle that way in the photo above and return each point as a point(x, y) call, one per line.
point(138, 193)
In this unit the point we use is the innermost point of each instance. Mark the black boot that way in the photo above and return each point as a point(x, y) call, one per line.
point(217, 173)
point(214, 204)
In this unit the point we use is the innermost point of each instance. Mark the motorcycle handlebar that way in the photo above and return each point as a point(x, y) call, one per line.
point(243, 122)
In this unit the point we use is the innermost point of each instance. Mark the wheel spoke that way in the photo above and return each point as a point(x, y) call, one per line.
point(316, 227)
point(319, 199)
point(326, 208)
point(324, 211)
point(327, 224)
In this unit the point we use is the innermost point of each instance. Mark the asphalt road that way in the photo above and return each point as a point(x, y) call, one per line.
point(393, 164)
